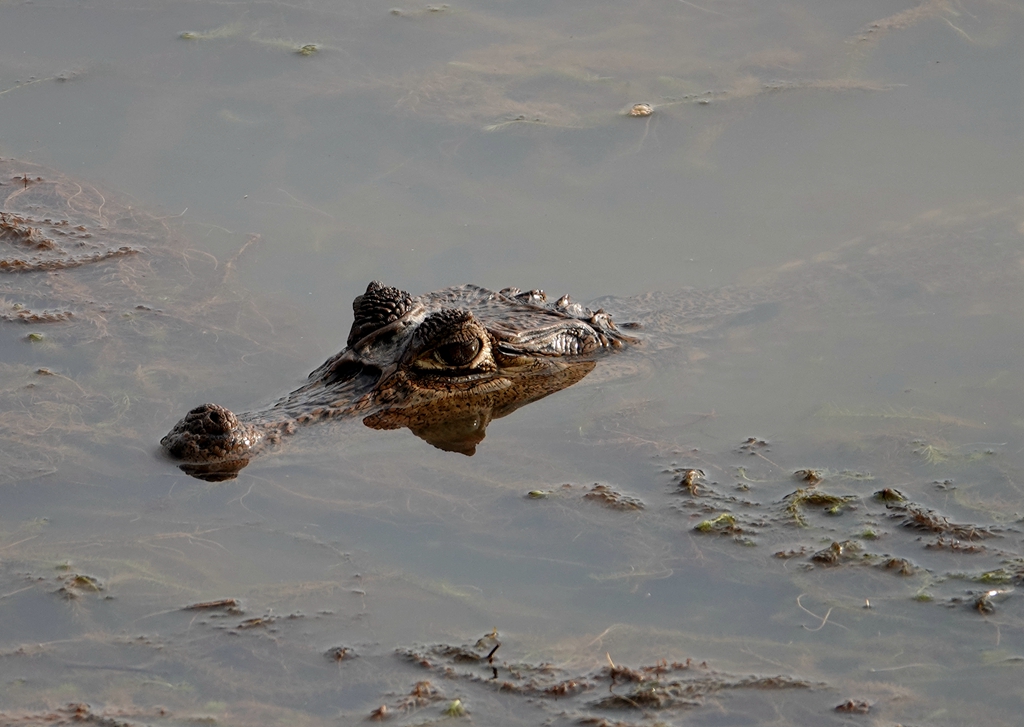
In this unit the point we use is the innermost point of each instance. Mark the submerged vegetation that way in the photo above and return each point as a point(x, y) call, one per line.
point(621, 572)
point(108, 293)
point(238, 30)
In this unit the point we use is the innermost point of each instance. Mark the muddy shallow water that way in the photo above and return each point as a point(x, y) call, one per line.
point(853, 546)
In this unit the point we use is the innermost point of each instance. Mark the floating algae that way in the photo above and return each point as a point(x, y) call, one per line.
point(104, 286)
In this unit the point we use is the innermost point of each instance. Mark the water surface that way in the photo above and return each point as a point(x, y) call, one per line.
point(856, 165)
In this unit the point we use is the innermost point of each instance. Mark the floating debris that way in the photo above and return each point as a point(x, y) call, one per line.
point(228, 605)
point(852, 706)
point(45, 244)
point(76, 584)
point(422, 694)
point(890, 495)
point(998, 576)
point(455, 708)
point(428, 10)
point(901, 566)
point(808, 497)
point(955, 546)
point(724, 524)
point(689, 480)
point(340, 653)
point(257, 622)
point(919, 518)
point(381, 713)
point(835, 553)
point(792, 553)
point(811, 476)
point(612, 499)
point(985, 603)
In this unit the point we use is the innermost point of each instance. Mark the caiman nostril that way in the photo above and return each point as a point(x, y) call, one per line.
point(444, 355)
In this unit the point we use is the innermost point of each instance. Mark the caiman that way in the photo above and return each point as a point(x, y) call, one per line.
point(442, 364)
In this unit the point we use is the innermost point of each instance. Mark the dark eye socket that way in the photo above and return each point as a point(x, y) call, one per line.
point(344, 370)
point(457, 353)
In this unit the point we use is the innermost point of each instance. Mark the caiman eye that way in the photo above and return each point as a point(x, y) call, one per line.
point(457, 353)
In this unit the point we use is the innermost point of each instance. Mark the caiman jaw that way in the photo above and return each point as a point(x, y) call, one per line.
point(432, 363)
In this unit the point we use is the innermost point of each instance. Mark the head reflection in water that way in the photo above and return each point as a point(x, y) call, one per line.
point(442, 364)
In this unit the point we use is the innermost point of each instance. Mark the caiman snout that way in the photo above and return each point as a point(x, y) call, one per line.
point(442, 364)
point(210, 433)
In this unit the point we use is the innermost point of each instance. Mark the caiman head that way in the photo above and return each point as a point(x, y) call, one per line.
point(443, 364)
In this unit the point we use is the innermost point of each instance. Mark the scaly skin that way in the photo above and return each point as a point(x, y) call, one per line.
point(443, 364)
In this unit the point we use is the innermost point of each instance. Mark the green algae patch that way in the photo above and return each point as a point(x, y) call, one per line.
point(455, 708)
point(800, 500)
point(724, 523)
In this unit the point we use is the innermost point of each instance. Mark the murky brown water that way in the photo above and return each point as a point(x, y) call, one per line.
point(856, 165)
